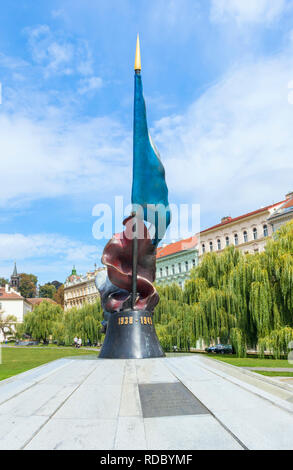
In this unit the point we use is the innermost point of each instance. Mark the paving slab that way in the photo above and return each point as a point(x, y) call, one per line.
point(96, 404)
point(15, 432)
point(200, 432)
point(153, 371)
point(265, 387)
point(92, 402)
point(75, 434)
point(130, 401)
point(265, 427)
point(130, 434)
point(21, 382)
point(42, 399)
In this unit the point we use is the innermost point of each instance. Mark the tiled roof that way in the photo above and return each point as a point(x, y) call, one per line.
point(9, 295)
point(38, 300)
point(235, 219)
point(176, 247)
point(285, 208)
point(287, 204)
point(182, 245)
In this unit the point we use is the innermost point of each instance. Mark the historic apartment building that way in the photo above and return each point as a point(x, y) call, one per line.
point(248, 232)
point(175, 261)
point(80, 289)
point(282, 215)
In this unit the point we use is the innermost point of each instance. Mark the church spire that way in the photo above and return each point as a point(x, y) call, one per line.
point(14, 270)
point(15, 278)
point(73, 272)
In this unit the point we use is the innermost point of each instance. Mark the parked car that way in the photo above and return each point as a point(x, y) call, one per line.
point(26, 343)
point(220, 349)
point(211, 349)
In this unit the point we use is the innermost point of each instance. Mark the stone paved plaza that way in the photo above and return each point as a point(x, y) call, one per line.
point(97, 404)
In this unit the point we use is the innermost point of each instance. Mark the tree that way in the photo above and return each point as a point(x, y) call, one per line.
point(57, 284)
point(47, 290)
point(59, 296)
point(84, 322)
point(3, 281)
point(28, 285)
point(58, 332)
point(7, 323)
point(40, 322)
point(246, 300)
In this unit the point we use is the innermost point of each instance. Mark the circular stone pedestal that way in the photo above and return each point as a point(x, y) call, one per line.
point(131, 335)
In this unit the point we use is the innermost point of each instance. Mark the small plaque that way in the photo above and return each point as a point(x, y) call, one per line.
point(168, 399)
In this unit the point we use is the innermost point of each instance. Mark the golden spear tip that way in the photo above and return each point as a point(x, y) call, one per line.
point(137, 63)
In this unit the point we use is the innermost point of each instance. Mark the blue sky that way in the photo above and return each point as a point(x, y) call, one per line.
point(216, 74)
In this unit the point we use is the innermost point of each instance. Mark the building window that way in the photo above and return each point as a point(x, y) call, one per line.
point(173, 269)
point(193, 263)
point(245, 236)
point(203, 248)
point(265, 231)
point(236, 239)
point(167, 271)
point(254, 233)
point(211, 246)
point(161, 272)
point(219, 244)
point(227, 241)
point(179, 267)
point(186, 266)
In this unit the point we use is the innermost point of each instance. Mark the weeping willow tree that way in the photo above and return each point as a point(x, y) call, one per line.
point(48, 321)
point(40, 322)
point(84, 322)
point(174, 319)
point(246, 300)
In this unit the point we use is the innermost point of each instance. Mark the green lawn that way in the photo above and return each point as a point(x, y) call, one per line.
point(251, 361)
point(15, 361)
point(274, 374)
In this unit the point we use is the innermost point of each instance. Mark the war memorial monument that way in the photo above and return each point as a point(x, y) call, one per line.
point(132, 397)
point(127, 294)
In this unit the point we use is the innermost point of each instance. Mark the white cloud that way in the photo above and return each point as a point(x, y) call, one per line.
point(90, 84)
point(233, 146)
point(175, 17)
point(247, 11)
point(55, 156)
point(57, 53)
point(23, 247)
point(49, 256)
point(12, 63)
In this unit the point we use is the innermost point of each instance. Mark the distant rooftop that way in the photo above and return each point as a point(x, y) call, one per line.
point(182, 245)
point(176, 247)
point(230, 220)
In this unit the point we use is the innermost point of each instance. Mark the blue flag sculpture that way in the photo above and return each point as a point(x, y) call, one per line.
point(149, 188)
point(128, 294)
